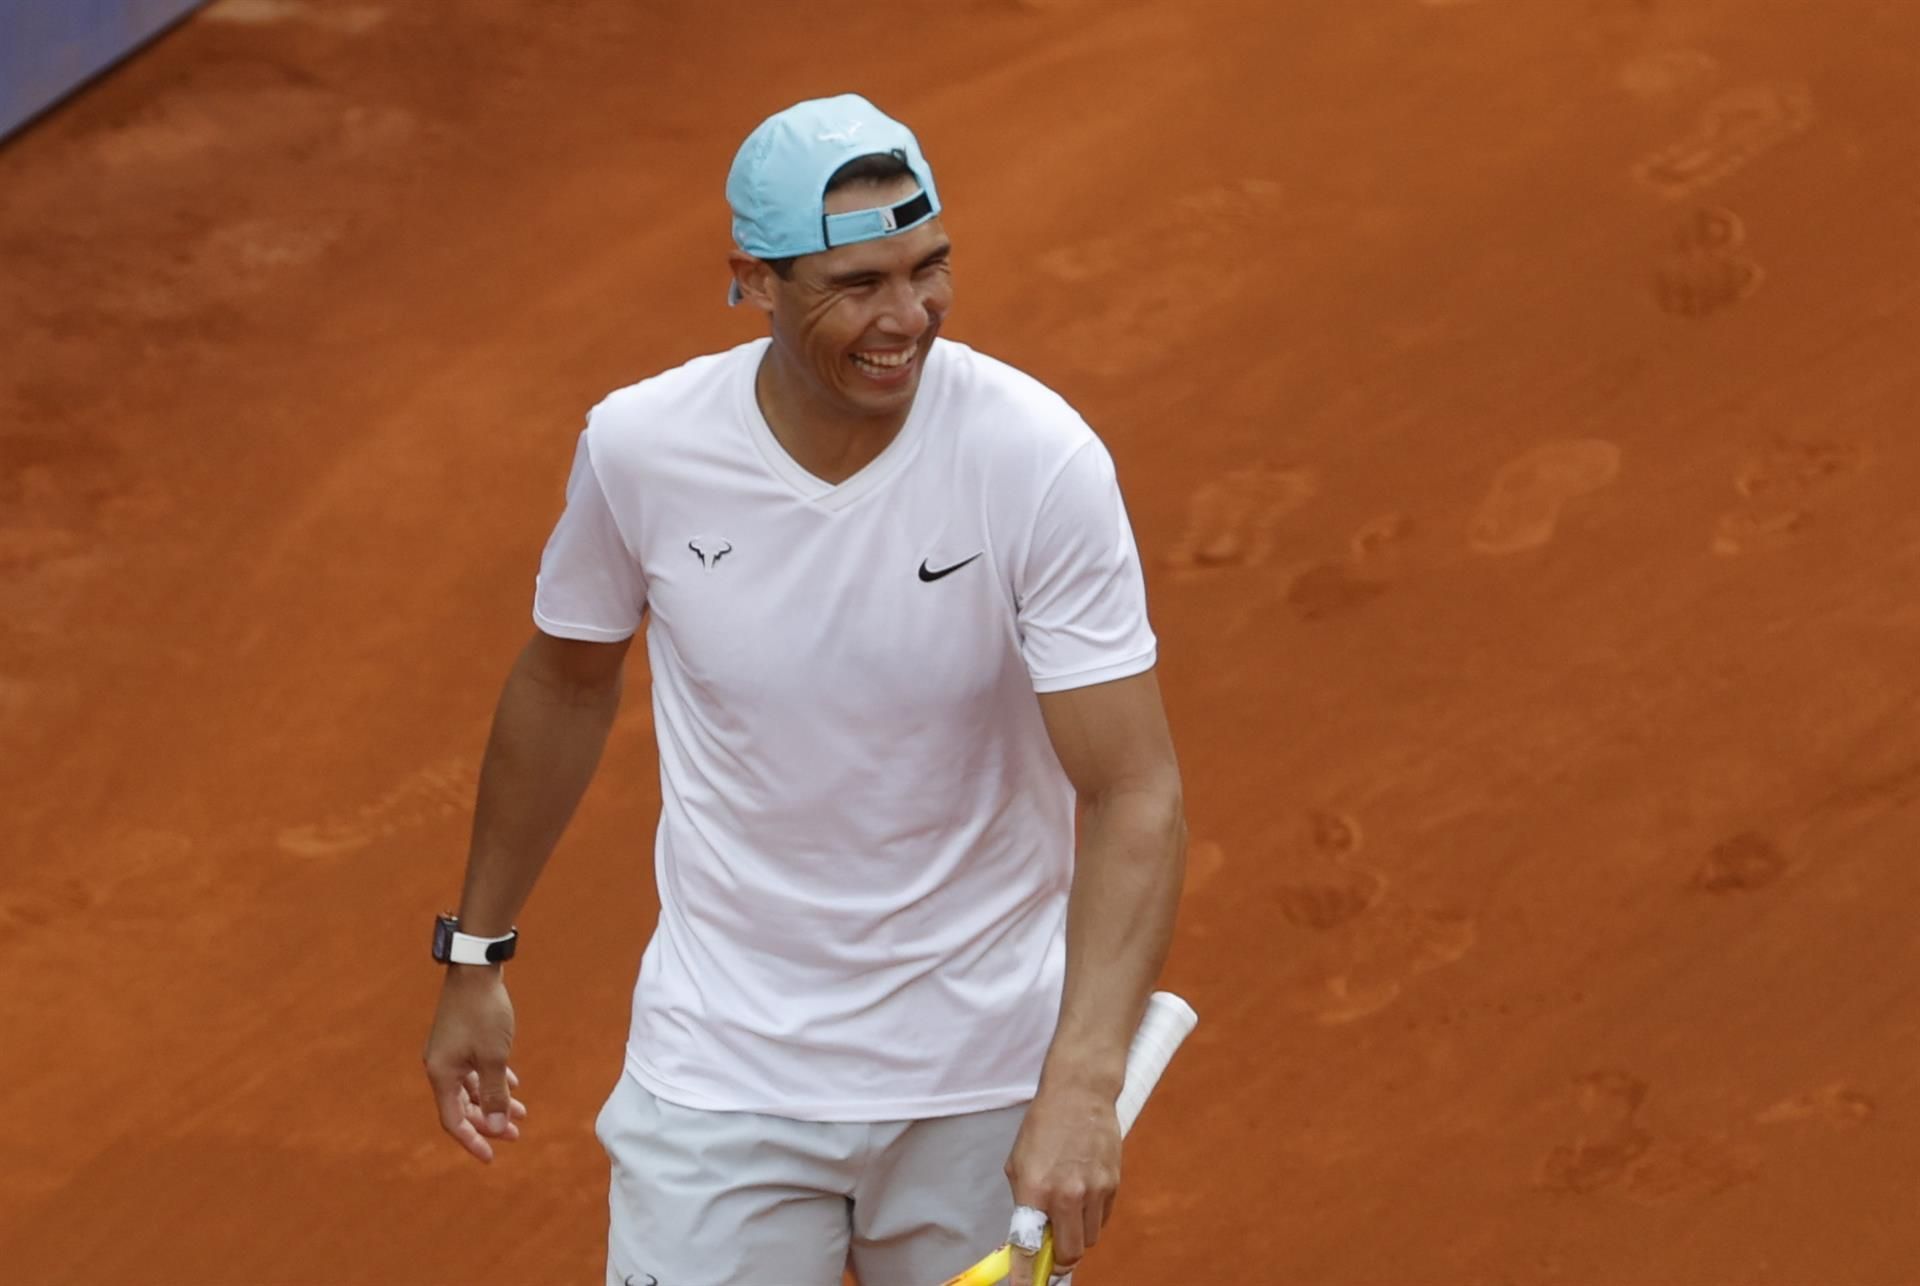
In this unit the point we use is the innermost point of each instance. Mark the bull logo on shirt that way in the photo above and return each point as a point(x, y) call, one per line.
point(710, 549)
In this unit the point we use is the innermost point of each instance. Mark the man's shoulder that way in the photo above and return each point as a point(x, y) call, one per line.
point(685, 393)
point(1003, 406)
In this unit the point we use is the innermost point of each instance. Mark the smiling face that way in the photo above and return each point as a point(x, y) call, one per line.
point(852, 325)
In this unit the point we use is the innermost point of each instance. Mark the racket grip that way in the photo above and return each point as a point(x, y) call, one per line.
point(1168, 1021)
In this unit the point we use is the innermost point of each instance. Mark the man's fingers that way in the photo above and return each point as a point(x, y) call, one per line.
point(1027, 1237)
point(451, 1097)
point(1065, 1263)
point(516, 1110)
point(1074, 1219)
point(469, 1138)
point(478, 1119)
point(1095, 1211)
point(495, 1100)
point(1069, 1230)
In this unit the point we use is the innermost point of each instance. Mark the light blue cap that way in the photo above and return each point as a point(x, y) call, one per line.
point(778, 183)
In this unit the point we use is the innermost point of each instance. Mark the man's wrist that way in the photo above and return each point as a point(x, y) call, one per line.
point(1095, 1074)
point(474, 973)
point(453, 944)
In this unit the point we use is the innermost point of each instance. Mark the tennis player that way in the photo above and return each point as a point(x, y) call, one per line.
point(897, 628)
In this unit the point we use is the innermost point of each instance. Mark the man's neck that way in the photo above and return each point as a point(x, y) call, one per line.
point(823, 440)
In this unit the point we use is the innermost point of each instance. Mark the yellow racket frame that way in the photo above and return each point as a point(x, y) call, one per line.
point(993, 1270)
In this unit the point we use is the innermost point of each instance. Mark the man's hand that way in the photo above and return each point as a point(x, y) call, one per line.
point(466, 1060)
point(1066, 1161)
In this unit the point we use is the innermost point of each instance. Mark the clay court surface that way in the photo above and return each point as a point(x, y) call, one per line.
point(1517, 407)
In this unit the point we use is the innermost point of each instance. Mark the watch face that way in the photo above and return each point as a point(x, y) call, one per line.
point(443, 929)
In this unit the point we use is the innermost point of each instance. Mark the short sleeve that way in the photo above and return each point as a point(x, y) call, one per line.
point(1082, 601)
point(590, 586)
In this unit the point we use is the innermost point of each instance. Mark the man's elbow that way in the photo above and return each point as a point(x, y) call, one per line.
point(1177, 826)
point(1154, 805)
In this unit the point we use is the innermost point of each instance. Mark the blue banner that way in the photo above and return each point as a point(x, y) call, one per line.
point(50, 47)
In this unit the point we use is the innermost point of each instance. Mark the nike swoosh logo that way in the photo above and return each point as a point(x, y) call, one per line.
point(928, 575)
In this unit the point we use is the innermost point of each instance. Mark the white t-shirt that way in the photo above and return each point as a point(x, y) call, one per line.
point(865, 841)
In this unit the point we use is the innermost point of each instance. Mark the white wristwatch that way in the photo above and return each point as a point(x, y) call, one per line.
point(450, 946)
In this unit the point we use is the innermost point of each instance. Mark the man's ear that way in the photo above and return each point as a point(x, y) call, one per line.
point(754, 277)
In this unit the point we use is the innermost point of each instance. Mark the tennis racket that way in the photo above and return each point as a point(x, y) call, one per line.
point(1167, 1023)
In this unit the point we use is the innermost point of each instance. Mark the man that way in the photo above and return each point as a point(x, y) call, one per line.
point(896, 626)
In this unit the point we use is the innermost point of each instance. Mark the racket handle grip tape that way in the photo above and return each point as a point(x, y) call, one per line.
point(1168, 1021)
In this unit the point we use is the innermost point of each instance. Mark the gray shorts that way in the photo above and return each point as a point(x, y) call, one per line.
point(737, 1199)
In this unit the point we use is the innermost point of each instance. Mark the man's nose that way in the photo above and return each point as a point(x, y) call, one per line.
point(905, 307)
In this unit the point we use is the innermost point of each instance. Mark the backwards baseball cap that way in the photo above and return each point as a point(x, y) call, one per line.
point(778, 184)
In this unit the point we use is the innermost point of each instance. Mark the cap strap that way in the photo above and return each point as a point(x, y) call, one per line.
point(881, 221)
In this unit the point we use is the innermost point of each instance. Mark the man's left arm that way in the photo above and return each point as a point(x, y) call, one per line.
point(1113, 742)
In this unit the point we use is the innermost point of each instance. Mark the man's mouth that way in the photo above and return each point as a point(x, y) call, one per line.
point(883, 364)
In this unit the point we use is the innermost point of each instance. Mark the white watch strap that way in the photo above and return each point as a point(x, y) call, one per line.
point(467, 948)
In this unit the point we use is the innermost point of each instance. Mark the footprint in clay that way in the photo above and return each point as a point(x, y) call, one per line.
point(1529, 494)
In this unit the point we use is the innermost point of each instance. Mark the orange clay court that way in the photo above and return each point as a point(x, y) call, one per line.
point(1517, 405)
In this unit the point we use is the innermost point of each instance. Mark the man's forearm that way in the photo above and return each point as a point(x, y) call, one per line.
point(1120, 916)
point(546, 741)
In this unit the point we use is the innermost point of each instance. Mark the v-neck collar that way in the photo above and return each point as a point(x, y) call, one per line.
point(870, 476)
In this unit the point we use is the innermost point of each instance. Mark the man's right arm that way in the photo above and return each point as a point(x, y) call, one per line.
point(548, 732)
